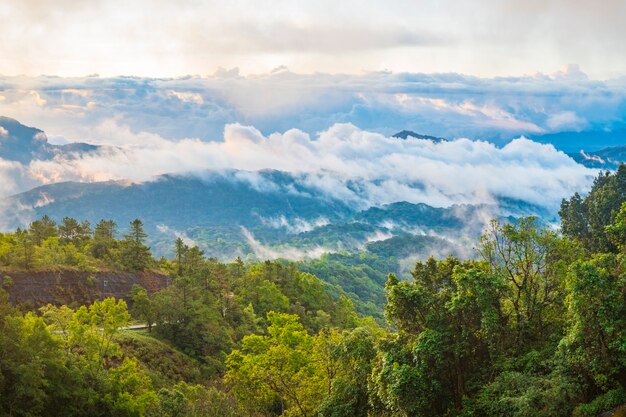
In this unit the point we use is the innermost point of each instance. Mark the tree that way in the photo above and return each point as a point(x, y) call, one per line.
point(533, 263)
point(135, 255)
point(105, 382)
point(104, 239)
point(31, 366)
point(595, 341)
point(43, 229)
point(586, 220)
point(70, 230)
point(105, 230)
point(180, 250)
point(347, 359)
point(142, 307)
point(278, 373)
point(24, 249)
point(449, 322)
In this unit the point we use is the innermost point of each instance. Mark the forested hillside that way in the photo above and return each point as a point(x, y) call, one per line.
point(534, 325)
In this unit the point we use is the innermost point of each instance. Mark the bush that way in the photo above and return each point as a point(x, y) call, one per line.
point(604, 402)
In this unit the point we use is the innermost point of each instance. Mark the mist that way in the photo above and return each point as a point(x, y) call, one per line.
point(344, 162)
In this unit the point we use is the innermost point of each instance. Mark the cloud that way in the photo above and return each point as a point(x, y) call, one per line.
point(41, 136)
point(14, 177)
point(232, 122)
point(447, 105)
point(3, 132)
point(378, 236)
point(344, 163)
point(165, 229)
point(70, 38)
point(188, 97)
point(44, 200)
point(262, 251)
point(566, 120)
point(295, 225)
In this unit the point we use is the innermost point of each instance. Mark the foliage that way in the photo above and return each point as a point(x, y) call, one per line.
point(586, 219)
point(536, 326)
point(278, 373)
point(74, 245)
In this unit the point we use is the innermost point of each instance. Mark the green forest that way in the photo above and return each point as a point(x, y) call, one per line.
point(534, 326)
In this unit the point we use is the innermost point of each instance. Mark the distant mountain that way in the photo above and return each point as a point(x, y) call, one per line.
point(228, 214)
point(212, 209)
point(407, 133)
point(239, 213)
point(590, 141)
point(23, 143)
point(607, 158)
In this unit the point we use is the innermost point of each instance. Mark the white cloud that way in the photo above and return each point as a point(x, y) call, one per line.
point(187, 97)
point(165, 229)
point(263, 252)
point(447, 105)
point(378, 236)
point(14, 177)
point(157, 126)
point(344, 163)
point(566, 120)
point(3, 132)
point(489, 37)
point(294, 225)
point(44, 200)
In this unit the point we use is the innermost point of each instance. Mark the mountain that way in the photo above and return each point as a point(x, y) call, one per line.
point(407, 133)
point(23, 143)
point(181, 201)
point(240, 213)
point(607, 158)
point(230, 214)
point(213, 208)
point(590, 141)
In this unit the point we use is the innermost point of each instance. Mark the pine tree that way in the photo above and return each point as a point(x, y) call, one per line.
point(135, 254)
point(104, 239)
point(41, 230)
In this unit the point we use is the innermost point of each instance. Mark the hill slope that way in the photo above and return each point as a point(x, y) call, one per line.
point(23, 144)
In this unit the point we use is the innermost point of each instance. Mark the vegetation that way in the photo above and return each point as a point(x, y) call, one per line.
point(534, 326)
point(71, 244)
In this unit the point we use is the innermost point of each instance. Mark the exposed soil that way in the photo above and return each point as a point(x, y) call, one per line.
point(616, 412)
point(37, 288)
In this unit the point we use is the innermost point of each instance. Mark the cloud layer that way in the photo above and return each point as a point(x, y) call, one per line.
point(343, 162)
point(448, 105)
point(164, 38)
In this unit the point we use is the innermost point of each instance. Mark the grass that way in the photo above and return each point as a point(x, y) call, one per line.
point(164, 364)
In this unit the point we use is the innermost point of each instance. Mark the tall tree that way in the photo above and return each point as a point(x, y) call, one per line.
point(24, 249)
point(73, 231)
point(42, 229)
point(104, 238)
point(278, 373)
point(105, 230)
point(586, 220)
point(180, 249)
point(533, 263)
point(143, 306)
point(135, 254)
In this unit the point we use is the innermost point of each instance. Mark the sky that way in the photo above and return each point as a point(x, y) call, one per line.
point(316, 89)
point(158, 38)
point(451, 105)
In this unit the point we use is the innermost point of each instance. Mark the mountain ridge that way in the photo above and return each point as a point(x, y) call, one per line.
point(24, 144)
point(405, 134)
